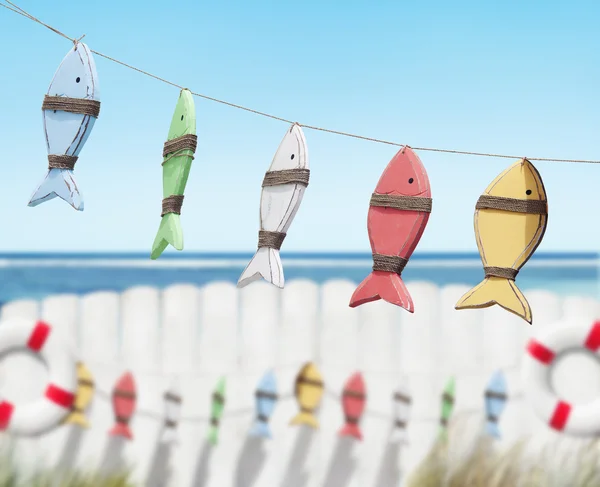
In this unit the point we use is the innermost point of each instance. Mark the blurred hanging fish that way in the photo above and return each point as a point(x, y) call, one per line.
point(495, 402)
point(309, 391)
point(283, 188)
point(178, 154)
point(402, 402)
point(83, 397)
point(70, 108)
point(172, 413)
point(354, 398)
point(218, 404)
point(124, 399)
point(266, 398)
point(447, 407)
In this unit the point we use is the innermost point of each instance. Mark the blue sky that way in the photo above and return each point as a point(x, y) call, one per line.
point(509, 76)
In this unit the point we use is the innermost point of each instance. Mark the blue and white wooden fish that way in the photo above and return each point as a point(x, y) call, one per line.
point(67, 131)
point(266, 398)
point(495, 402)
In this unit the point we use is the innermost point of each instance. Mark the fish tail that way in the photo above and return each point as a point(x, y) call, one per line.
point(261, 429)
point(213, 435)
point(169, 232)
point(491, 428)
point(351, 430)
point(500, 291)
point(266, 263)
point(383, 285)
point(78, 419)
point(61, 183)
point(169, 435)
point(121, 429)
point(305, 418)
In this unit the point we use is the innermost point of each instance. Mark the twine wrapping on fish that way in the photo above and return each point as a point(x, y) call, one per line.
point(510, 222)
point(402, 405)
point(354, 398)
point(61, 161)
point(495, 398)
point(308, 391)
point(447, 408)
point(178, 154)
point(282, 191)
point(399, 210)
point(83, 106)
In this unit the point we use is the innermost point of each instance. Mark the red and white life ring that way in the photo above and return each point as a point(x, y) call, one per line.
point(578, 420)
point(45, 413)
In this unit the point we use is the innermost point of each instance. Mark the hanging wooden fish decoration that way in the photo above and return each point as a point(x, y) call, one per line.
point(178, 154)
point(308, 392)
point(70, 110)
point(354, 399)
point(510, 222)
point(266, 398)
point(402, 404)
point(218, 405)
point(124, 399)
point(447, 408)
point(173, 402)
point(83, 397)
point(399, 211)
point(283, 188)
point(495, 402)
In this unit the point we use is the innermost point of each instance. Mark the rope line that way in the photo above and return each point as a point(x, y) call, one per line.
point(18, 10)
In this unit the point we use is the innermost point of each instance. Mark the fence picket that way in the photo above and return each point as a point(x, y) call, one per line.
point(140, 354)
point(99, 343)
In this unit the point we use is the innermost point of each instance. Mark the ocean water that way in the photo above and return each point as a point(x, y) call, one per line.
point(37, 275)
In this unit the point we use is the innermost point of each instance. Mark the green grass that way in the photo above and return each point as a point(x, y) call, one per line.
point(489, 466)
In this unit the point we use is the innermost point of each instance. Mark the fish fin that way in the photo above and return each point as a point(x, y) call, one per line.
point(351, 430)
point(383, 285)
point(266, 263)
point(169, 232)
point(121, 430)
point(500, 291)
point(213, 436)
point(169, 435)
point(399, 437)
point(305, 418)
point(61, 183)
point(79, 419)
point(261, 429)
point(492, 429)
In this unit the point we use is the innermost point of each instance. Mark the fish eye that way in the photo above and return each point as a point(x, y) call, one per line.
point(528, 192)
point(78, 79)
point(182, 117)
point(411, 180)
point(292, 156)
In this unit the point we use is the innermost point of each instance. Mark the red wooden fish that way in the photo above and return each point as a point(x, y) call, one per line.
point(123, 399)
point(353, 403)
point(398, 213)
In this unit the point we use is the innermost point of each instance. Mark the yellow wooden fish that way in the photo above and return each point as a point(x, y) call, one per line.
point(309, 390)
point(83, 397)
point(510, 222)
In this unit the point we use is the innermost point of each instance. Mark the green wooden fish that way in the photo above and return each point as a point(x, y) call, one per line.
point(447, 407)
point(178, 154)
point(218, 404)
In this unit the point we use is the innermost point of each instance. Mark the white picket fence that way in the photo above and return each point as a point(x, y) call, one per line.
point(201, 334)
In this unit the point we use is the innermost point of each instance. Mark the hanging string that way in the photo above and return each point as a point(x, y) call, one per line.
point(18, 10)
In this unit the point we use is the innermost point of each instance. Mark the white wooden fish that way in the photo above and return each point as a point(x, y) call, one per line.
point(67, 132)
point(278, 207)
point(172, 413)
point(402, 403)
